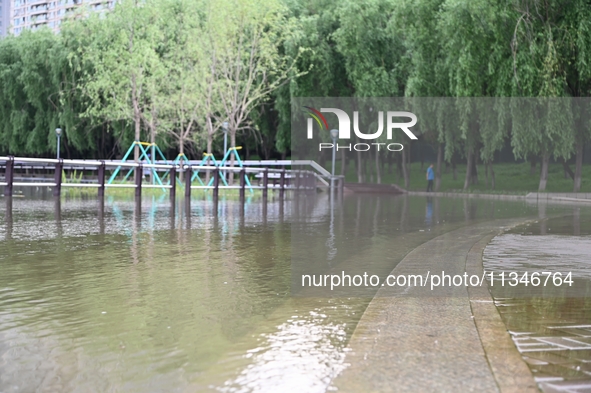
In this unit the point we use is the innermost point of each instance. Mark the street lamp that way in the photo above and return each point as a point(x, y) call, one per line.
point(225, 130)
point(334, 135)
point(58, 133)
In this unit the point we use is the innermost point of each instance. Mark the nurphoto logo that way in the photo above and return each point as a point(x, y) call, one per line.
point(344, 128)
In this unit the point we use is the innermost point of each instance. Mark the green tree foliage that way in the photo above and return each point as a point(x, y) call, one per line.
point(172, 71)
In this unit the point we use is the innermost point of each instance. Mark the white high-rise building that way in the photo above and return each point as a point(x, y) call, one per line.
point(4, 16)
point(33, 14)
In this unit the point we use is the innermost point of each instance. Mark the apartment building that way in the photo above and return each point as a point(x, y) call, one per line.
point(4, 16)
point(33, 14)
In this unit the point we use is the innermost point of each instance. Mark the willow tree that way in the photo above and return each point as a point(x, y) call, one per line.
point(474, 52)
point(578, 79)
point(416, 21)
point(244, 42)
point(28, 94)
point(182, 95)
point(550, 46)
point(374, 58)
point(121, 60)
point(320, 66)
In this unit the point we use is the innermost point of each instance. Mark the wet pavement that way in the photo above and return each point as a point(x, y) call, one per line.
point(417, 339)
point(550, 328)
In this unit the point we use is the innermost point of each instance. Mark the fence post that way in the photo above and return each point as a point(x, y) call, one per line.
point(282, 184)
point(173, 182)
point(59, 166)
point(9, 176)
point(242, 183)
point(101, 180)
point(216, 183)
point(265, 182)
point(139, 175)
point(188, 176)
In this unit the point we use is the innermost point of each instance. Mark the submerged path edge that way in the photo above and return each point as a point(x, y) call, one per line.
point(448, 340)
point(510, 371)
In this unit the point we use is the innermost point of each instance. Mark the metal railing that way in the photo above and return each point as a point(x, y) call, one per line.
point(288, 178)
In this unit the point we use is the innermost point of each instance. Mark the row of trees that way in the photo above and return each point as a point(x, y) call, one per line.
point(175, 70)
point(170, 71)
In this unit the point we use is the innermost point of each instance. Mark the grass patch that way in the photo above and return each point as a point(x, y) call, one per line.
point(510, 178)
point(75, 192)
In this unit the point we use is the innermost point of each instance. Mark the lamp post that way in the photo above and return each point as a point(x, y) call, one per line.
point(334, 135)
point(58, 133)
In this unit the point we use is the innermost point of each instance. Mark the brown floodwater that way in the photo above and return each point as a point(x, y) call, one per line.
point(194, 298)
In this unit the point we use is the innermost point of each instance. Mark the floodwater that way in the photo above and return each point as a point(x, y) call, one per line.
point(551, 325)
point(194, 298)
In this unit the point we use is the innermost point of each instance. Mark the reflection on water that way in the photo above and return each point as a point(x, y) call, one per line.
point(304, 354)
point(197, 297)
point(550, 327)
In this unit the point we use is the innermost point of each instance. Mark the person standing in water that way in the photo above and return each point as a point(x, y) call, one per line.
point(430, 178)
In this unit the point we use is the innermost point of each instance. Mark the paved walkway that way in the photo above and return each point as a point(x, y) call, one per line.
point(451, 339)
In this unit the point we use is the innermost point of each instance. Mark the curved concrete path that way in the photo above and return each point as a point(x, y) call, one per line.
point(451, 339)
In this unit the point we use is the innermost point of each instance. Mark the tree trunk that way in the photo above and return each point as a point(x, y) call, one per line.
point(438, 170)
point(399, 166)
point(378, 169)
point(181, 153)
point(137, 118)
point(405, 170)
point(578, 167)
point(409, 161)
point(486, 174)
point(567, 171)
point(209, 149)
point(390, 160)
point(474, 172)
point(230, 175)
point(492, 176)
point(152, 149)
point(532, 166)
point(136, 150)
point(368, 171)
point(544, 172)
point(359, 168)
point(468, 170)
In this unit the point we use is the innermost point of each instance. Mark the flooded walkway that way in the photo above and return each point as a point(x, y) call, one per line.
point(551, 330)
point(416, 339)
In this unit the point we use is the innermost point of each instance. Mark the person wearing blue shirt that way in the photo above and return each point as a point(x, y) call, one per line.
point(430, 178)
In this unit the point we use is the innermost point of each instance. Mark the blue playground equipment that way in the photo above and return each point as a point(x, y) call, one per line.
point(223, 163)
point(180, 160)
point(144, 156)
point(207, 157)
point(204, 162)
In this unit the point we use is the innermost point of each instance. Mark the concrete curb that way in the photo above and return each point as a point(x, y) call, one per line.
point(555, 197)
point(468, 195)
point(510, 372)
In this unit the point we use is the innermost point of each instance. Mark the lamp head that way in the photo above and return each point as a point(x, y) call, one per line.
point(58, 131)
point(225, 126)
point(334, 133)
